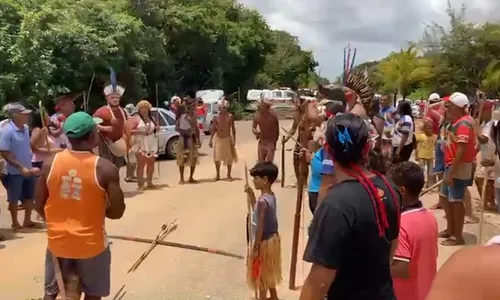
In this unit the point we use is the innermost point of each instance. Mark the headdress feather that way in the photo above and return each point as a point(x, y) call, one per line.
point(112, 77)
point(113, 87)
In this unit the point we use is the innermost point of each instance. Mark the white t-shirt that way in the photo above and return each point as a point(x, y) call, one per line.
point(404, 125)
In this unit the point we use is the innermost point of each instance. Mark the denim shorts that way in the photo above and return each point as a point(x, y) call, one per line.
point(456, 192)
point(19, 188)
point(438, 158)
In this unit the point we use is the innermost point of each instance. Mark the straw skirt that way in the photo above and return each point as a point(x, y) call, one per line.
point(224, 150)
point(269, 275)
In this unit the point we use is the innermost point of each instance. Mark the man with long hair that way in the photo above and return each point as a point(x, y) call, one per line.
point(351, 244)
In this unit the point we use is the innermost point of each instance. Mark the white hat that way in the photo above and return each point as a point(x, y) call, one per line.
point(434, 97)
point(223, 103)
point(459, 99)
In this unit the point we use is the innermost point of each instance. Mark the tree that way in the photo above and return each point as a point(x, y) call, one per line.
point(51, 47)
point(402, 71)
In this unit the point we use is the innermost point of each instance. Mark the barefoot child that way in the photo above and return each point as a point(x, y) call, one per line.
point(264, 267)
point(426, 143)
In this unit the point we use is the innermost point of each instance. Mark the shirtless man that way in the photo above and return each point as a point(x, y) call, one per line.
point(298, 121)
point(223, 139)
point(76, 192)
point(189, 157)
point(268, 132)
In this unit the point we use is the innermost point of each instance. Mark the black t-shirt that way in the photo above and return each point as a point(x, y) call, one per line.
point(344, 237)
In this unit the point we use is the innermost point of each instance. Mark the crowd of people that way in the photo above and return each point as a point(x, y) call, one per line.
point(371, 237)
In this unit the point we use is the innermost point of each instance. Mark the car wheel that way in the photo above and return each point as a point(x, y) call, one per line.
point(171, 147)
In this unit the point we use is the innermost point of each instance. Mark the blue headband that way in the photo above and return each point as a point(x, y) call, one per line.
point(344, 137)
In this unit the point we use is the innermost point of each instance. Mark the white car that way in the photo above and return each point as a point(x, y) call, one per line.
point(169, 138)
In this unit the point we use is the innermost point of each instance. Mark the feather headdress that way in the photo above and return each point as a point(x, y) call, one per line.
point(113, 87)
point(355, 86)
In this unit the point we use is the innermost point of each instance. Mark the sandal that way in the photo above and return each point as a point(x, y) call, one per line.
point(130, 179)
point(33, 225)
point(444, 234)
point(453, 242)
point(469, 220)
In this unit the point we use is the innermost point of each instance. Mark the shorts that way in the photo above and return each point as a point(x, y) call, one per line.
point(404, 155)
point(438, 159)
point(94, 273)
point(456, 192)
point(19, 188)
point(313, 201)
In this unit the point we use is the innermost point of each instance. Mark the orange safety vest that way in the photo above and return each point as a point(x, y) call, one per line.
point(76, 207)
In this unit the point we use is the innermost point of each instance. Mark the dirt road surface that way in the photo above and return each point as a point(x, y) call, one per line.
point(208, 214)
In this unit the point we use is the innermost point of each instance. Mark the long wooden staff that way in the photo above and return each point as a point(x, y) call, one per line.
point(283, 162)
point(42, 117)
point(485, 179)
point(157, 133)
point(249, 225)
point(176, 245)
point(296, 222)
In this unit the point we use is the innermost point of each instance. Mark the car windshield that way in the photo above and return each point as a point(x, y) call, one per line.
point(210, 94)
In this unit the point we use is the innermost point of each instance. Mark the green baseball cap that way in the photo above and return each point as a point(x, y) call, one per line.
point(79, 124)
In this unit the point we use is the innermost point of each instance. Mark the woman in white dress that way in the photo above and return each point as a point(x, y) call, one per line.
point(145, 144)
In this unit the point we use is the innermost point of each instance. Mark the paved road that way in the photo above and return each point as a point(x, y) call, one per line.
point(209, 215)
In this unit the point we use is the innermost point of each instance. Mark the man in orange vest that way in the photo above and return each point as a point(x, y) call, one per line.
point(76, 192)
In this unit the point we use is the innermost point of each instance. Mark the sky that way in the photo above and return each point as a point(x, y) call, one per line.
point(374, 27)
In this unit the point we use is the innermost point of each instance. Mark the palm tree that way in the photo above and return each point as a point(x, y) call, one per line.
point(491, 79)
point(400, 71)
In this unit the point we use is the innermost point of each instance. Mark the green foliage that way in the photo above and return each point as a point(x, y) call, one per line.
point(48, 47)
point(462, 58)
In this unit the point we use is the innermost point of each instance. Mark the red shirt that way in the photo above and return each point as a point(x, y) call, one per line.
point(418, 237)
point(118, 121)
point(201, 111)
point(460, 131)
point(435, 114)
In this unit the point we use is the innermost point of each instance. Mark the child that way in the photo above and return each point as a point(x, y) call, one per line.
point(414, 266)
point(426, 143)
point(264, 266)
point(184, 126)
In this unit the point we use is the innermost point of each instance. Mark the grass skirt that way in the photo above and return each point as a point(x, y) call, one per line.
point(270, 265)
point(191, 157)
point(224, 150)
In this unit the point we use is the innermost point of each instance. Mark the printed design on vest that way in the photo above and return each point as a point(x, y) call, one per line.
point(71, 186)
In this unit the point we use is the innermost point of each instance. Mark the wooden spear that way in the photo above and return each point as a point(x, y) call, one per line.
point(177, 245)
point(283, 162)
point(158, 124)
point(249, 224)
point(296, 222)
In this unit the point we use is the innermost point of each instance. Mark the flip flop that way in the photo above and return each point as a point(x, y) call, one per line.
point(33, 225)
point(452, 242)
point(444, 234)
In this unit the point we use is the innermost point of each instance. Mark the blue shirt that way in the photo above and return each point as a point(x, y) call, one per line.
point(386, 113)
point(17, 142)
point(316, 171)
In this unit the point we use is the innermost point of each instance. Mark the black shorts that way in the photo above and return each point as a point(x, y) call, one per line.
point(313, 201)
point(404, 155)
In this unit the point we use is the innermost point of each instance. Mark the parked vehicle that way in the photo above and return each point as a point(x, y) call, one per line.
point(212, 110)
point(168, 136)
point(210, 99)
point(279, 97)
